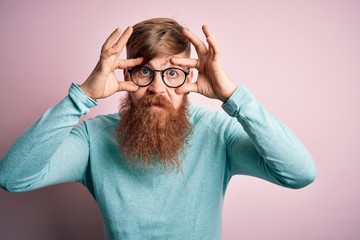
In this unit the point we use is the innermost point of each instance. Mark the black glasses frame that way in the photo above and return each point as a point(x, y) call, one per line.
point(153, 73)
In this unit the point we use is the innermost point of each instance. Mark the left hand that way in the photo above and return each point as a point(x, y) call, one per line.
point(212, 81)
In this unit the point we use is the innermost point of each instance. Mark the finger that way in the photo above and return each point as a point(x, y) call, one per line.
point(212, 43)
point(199, 45)
point(111, 39)
point(184, 62)
point(206, 30)
point(186, 88)
point(127, 63)
point(127, 86)
point(214, 48)
point(110, 51)
point(121, 42)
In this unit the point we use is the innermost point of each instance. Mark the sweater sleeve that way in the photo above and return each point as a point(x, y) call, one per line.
point(269, 149)
point(51, 150)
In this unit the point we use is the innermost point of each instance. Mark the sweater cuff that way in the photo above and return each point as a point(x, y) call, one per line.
point(238, 101)
point(81, 101)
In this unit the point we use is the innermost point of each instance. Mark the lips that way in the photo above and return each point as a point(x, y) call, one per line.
point(155, 104)
point(158, 107)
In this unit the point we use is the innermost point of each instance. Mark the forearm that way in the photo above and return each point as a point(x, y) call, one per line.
point(281, 158)
point(27, 158)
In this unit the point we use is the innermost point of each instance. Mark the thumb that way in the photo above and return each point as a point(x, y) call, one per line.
point(186, 88)
point(127, 86)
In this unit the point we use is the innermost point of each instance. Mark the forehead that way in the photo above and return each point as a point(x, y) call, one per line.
point(159, 62)
point(163, 61)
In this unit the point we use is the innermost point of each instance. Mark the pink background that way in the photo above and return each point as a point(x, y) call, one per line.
point(300, 58)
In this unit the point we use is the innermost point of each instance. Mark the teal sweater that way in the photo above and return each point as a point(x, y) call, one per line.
point(186, 204)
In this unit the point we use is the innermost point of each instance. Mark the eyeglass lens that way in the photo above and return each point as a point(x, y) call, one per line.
point(143, 76)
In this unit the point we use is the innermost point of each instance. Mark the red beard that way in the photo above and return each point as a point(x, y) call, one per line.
point(148, 137)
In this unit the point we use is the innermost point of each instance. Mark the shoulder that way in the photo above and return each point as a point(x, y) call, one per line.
point(99, 124)
point(216, 120)
point(103, 121)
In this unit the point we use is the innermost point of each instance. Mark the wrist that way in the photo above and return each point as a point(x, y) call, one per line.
point(85, 90)
point(229, 91)
point(78, 94)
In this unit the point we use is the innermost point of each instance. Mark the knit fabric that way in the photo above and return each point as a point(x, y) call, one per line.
point(243, 138)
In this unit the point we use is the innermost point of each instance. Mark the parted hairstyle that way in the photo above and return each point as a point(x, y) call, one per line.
point(157, 37)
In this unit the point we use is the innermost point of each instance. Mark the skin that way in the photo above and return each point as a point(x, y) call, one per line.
point(158, 87)
point(211, 82)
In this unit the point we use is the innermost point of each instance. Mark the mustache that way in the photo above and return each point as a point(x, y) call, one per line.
point(155, 100)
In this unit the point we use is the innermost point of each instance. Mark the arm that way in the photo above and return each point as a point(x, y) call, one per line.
point(52, 150)
point(269, 149)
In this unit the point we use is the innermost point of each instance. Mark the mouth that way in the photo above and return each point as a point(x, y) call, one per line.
point(157, 106)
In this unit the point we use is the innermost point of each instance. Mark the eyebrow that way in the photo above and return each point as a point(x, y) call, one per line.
point(164, 64)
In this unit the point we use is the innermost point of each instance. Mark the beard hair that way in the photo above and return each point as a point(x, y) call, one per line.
point(148, 138)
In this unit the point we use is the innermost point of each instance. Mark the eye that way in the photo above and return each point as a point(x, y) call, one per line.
point(172, 73)
point(144, 71)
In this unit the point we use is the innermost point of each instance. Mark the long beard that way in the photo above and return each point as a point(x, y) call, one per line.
point(152, 137)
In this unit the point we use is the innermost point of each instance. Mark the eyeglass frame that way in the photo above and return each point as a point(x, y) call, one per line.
point(154, 75)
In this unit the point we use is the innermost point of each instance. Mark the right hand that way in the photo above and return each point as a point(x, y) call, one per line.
point(102, 82)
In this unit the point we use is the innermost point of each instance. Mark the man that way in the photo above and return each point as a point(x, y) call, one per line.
point(160, 168)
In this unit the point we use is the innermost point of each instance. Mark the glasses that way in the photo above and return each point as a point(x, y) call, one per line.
point(143, 76)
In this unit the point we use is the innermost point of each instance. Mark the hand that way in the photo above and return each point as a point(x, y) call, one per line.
point(102, 82)
point(212, 81)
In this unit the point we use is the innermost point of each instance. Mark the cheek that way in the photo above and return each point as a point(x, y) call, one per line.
point(136, 96)
point(133, 99)
point(177, 100)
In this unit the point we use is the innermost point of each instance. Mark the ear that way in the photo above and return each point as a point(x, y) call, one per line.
point(190, 77)
point(126, 75)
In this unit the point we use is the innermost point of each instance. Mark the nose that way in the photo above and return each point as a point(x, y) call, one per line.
point(157, 85)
